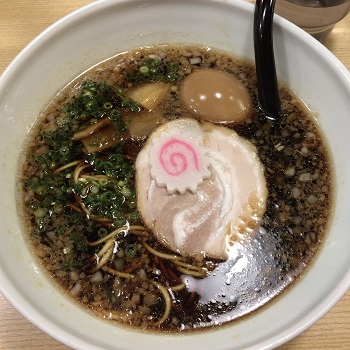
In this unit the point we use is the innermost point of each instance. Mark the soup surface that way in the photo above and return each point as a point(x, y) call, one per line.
point(80, 202)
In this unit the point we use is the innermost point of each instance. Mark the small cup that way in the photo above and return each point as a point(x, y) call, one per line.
point(316, 17)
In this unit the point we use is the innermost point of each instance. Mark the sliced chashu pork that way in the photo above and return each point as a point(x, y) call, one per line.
point(227, 203)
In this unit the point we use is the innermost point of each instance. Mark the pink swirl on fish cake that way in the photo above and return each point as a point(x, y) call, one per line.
point(173, 158)
point(177, 156)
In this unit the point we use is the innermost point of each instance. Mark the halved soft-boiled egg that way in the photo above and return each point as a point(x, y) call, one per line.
point(215, 96)
point(200, 187)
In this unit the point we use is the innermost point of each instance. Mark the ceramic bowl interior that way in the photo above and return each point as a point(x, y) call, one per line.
point(97, 32)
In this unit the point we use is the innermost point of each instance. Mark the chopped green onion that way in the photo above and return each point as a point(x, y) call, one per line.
point(144, 69)
point(40, 213)
point(102, 232)
point(107, 105)
point(95, 189)
point(130, 250)
point(126, 192)
point(63, 151)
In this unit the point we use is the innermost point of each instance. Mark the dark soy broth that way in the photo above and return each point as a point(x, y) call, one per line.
point(81, 211)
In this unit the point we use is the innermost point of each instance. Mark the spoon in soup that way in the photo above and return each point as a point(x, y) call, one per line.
point(269, 99)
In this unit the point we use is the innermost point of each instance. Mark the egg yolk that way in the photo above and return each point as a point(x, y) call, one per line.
point(215, 96)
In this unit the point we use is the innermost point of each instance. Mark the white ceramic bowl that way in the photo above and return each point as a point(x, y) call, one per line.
point(96, 32)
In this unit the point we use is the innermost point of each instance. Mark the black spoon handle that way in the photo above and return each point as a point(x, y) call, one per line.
point(269, 98)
